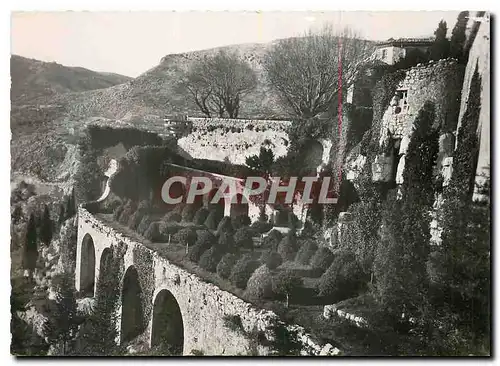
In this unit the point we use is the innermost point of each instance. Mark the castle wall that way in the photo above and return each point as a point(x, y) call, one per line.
point(234, 139)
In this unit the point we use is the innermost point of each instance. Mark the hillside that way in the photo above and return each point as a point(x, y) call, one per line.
point(52, 103)
point(156, 91)
point(32, 78)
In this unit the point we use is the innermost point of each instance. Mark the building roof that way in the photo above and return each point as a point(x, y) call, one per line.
point(405, 42)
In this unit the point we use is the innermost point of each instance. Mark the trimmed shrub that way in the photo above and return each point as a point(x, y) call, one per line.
point(242, 271)
point(343, 279)
point(287, 284)
point(153, 233)
point(226, 243)
point(271, 259)
point(287, 247)
point(261, 227)
point(127, 212)
point(213, 219)
point(136, 219)
point(188, 212)
point(186, 236)
point(322, 259)
point(205, 236)
point(243, 237)
point(240, 221)
point(195, 252)
point(260, 284)
point(293, 221)
point(272, 240)
point(210, 258)
point(307, 248)
point(169, 228)
point(200, 216)
point(110, 205)
point(225, 226)
point(118, 211)
point(172, 216)
point(144, 225)
point(225, 265)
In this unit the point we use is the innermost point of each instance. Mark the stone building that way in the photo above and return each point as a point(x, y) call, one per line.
point(392, 50)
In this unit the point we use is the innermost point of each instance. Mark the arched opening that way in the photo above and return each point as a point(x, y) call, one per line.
point(132, 323)
point(87, 267)
point(104, 265)
point(167, 333)
point(238, 206)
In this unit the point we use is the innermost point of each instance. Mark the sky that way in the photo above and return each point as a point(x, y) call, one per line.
point(130, 43)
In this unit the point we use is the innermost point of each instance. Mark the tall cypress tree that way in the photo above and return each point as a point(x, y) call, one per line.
point(46, 227)
point(457, 41)
point(97, 335)
point(30, 256)
point(402, 255)
point(62, 325)
point(441, 46)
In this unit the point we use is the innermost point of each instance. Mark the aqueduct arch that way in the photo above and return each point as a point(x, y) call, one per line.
point(104, 264)
point(132, 315)
point(167, 331)
point(87, 266)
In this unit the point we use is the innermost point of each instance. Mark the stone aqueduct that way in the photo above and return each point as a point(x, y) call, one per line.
point(186, 311)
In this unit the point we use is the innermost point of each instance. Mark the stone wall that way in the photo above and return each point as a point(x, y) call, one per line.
point(438, 82)
point(234, 139)
point(203, 305)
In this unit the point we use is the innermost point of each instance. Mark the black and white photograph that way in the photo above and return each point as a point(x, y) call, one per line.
point(250, 183)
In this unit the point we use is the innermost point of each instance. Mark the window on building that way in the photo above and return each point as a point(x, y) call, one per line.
point(384, 54)
point(401, 105)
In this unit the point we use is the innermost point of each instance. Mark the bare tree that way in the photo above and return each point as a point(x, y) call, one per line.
point(217, 83)
point(308, 72)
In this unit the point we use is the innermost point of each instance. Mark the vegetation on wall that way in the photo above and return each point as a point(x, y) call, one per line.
point(467, 151)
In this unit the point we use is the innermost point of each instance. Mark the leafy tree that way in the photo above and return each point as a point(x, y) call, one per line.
point(441, 46)
point(261, 163)
point(218, 82)
point(286, 283)
point(305, 70)
point(458, 37)
point(46, 227)
point(30, 255)
point(62, 325)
